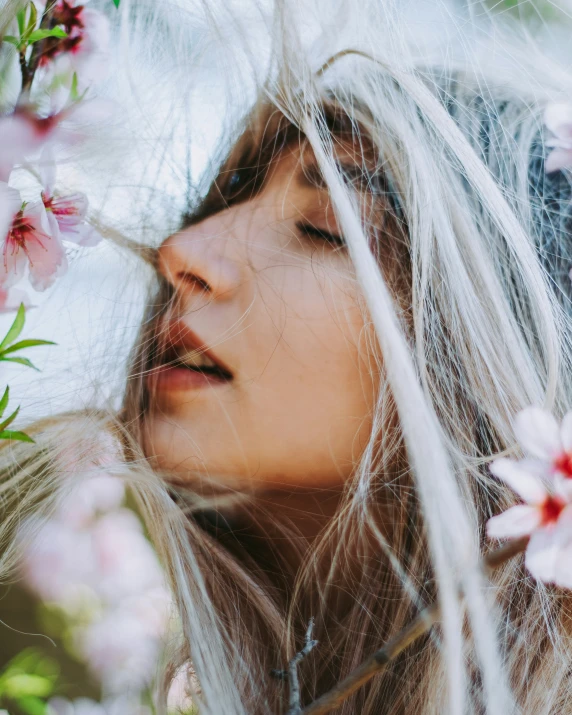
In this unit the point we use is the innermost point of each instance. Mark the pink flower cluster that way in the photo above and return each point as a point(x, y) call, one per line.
point(33, 234)
point(543, 480)
point(85, 50)
point(92, 560)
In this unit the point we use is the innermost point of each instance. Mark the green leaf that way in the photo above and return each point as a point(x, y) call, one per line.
point(21, 17)
point(20, 361)
point(25, 344)
point(31, 660)
point(21, 685)
point(116, 2)
point(74, 92)
point(9, 420)
point(33, 19)
point(38, 35)
point(4, 400)
point(32, 705)
point(16, 327)
point(12, 40)
point(18, 436)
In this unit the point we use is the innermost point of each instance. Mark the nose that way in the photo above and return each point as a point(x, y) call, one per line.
point(200, 260)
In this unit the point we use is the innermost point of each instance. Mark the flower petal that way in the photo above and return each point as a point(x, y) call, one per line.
point(520, 479)
point(14, 261)
point(566, 432)
point(562, 550)
point(558, 118)
point(517, 521)
point(538, 433)
point(564, 527)
point(82, 235)
point(542, 555)
point(563, 537)
point(558, 159)
point(563, 487)
point(90, 58)
point(70, 210)
point(48, 170)
point(18, 140)
point(45, 252)
point(10, 204)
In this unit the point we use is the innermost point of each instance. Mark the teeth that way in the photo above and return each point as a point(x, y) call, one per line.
point(197, 359)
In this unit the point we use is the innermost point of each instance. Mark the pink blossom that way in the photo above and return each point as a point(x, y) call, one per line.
point(91, 495)
point(127, 564)
point(10, 204)
point(543, 481)
point(29, 243)
point(548, 446)
point(104, 452)
point(545, 517)
point(85, 50)
point(66, 214)
point(23, 132)
point(120, 651)
point(558, 119)
point(91, 557)
point(58, 562)
point(90, 58)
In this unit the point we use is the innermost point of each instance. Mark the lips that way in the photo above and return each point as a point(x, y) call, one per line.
point(183, 361)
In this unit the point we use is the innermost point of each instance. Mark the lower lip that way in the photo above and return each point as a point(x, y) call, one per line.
point(179, 378)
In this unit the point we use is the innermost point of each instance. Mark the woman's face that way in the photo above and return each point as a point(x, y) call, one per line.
point(286, 397)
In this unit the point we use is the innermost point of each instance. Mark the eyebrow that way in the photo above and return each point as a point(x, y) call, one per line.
point(377, 183)
point(310, 175)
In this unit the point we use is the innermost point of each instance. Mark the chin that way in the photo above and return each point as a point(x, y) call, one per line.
point(188, 469)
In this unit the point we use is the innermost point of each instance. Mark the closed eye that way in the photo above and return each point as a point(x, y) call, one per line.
point(313, 232)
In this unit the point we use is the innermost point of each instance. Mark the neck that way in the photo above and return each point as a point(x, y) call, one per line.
point(306, 511)
point(275, 527)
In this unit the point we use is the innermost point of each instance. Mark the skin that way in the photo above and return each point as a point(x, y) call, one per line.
point(281, 310)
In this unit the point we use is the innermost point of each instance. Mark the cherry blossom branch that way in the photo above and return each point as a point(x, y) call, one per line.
point(32, 66)
point(377, 662)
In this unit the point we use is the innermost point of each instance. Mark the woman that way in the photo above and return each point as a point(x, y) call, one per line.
point(345, 325)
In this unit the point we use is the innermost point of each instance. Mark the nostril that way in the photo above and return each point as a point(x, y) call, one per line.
point(194, 280)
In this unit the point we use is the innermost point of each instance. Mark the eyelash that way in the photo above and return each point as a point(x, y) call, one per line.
point(312, 231)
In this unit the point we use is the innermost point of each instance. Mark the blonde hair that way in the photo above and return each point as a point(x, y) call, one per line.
point(473, 326)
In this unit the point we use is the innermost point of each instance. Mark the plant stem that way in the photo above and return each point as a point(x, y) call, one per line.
point(377, 662)
point(24, 69)
point(29, 69)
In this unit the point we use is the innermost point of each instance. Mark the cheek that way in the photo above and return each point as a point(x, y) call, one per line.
point(315, 382)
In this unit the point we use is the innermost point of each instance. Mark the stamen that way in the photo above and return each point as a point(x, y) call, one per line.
point(563, 464)
point(551, 509)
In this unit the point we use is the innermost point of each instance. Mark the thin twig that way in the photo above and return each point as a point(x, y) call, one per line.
point(294, 707)
point(377, 662)
point(24, 69)
point(291, 675)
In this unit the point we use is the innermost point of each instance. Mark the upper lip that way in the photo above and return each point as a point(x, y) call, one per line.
point(176, 339)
